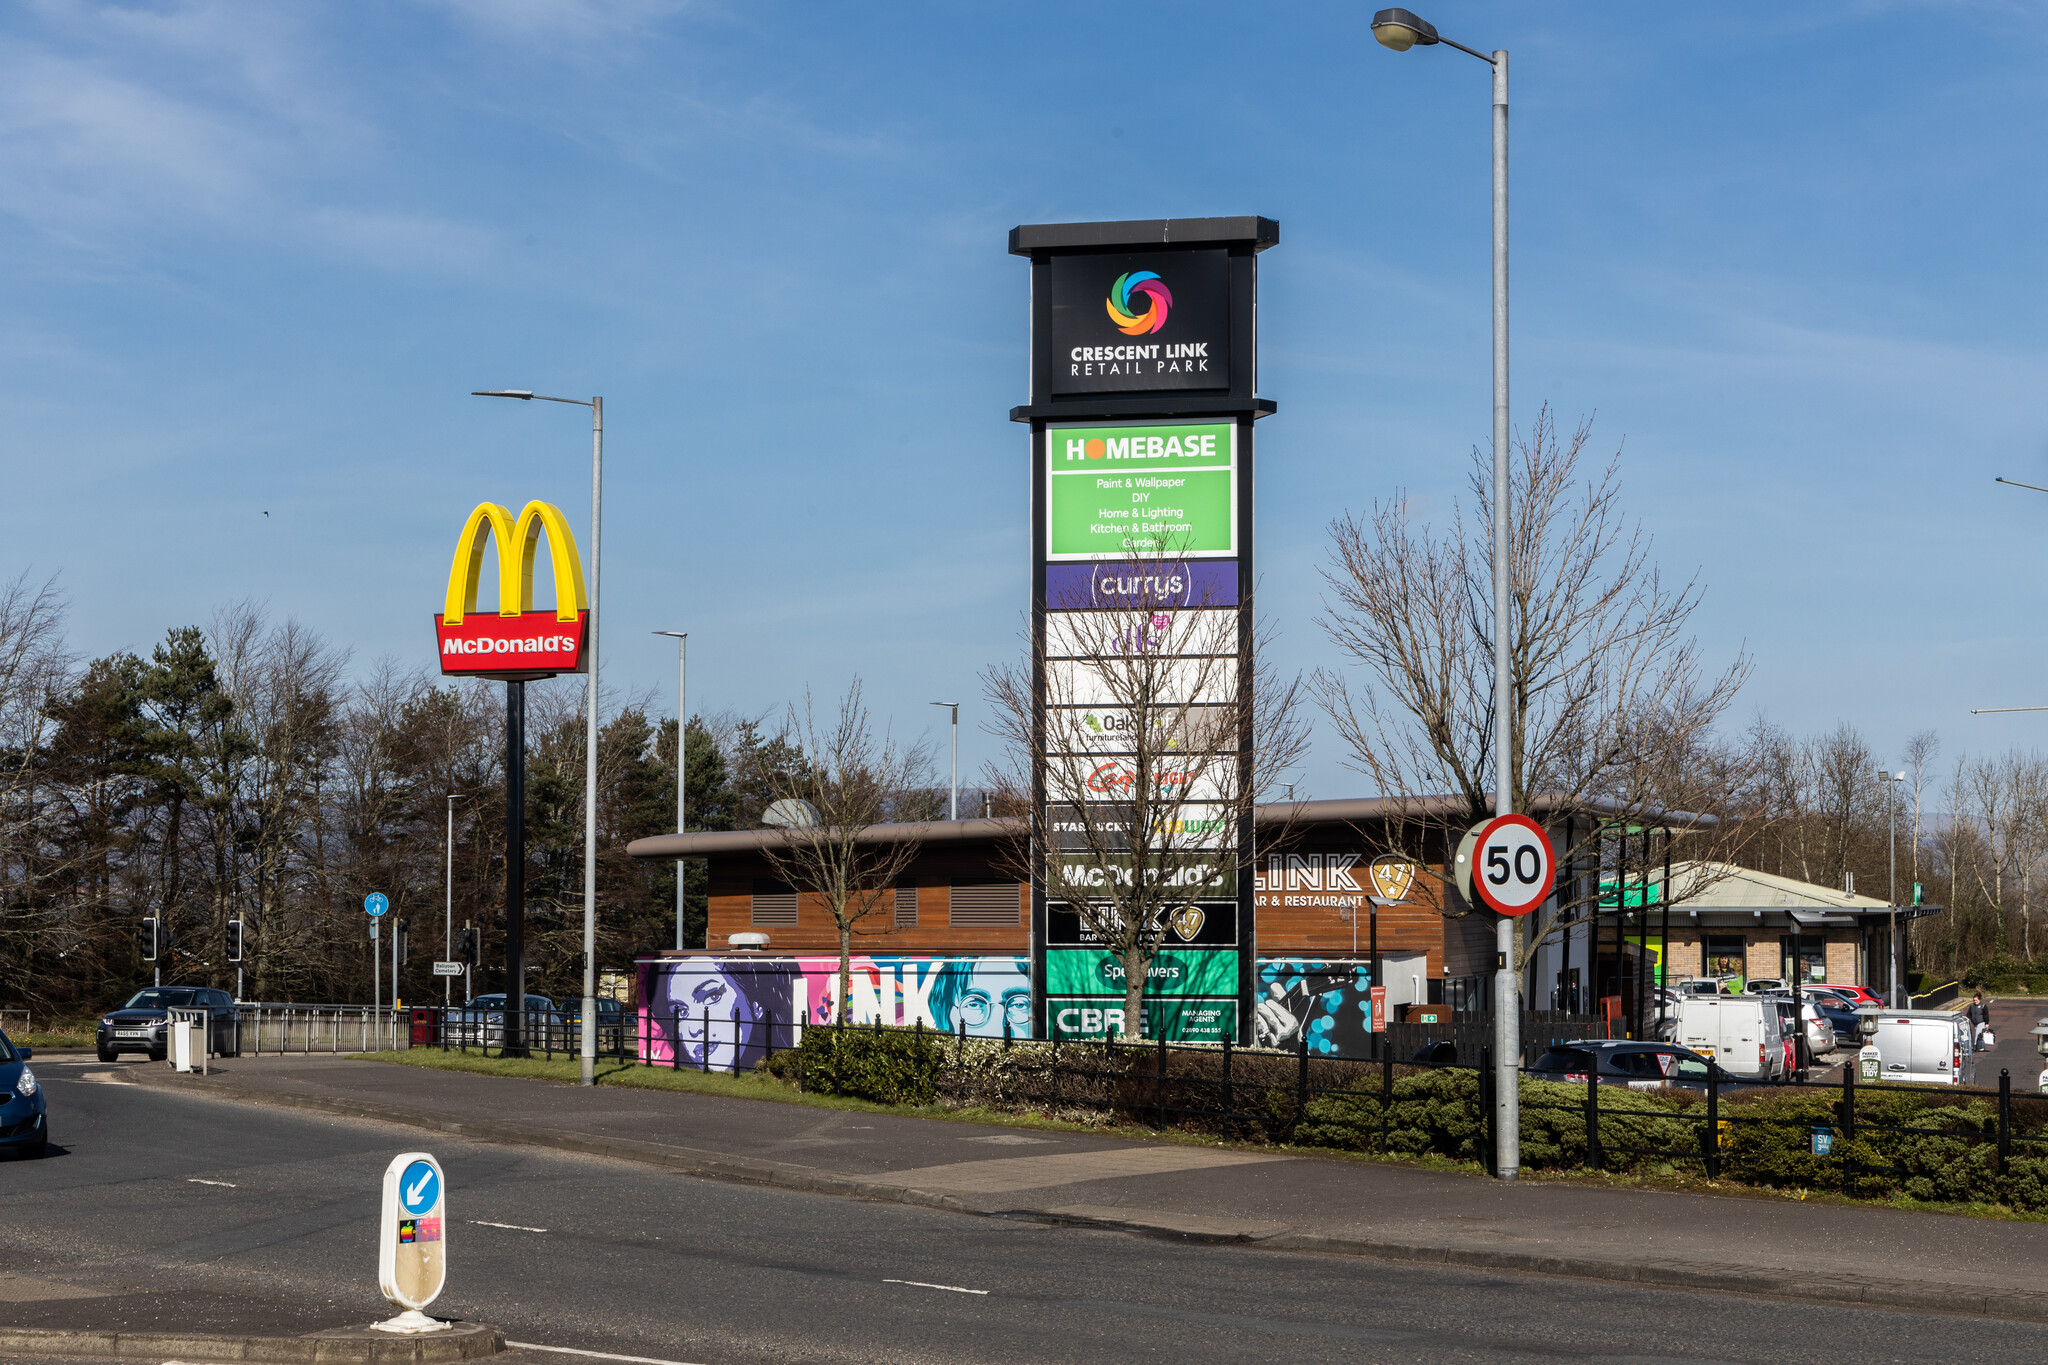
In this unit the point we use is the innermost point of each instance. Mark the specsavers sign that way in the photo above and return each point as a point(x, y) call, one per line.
point(1159, 489)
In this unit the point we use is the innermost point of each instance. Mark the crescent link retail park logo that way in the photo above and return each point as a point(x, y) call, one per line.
point(515, 642)
point(1158, 300)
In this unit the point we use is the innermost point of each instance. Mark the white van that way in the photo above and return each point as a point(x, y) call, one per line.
point(1741, 1032)
point(1925, 1045)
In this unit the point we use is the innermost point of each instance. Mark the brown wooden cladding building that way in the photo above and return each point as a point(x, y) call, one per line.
point(960, 898)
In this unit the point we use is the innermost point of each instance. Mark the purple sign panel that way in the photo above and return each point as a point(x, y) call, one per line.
point(1191, 583)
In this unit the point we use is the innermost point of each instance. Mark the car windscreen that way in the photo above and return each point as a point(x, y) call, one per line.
point(1564, 1059)
point(162, 998)
point(6, 1049)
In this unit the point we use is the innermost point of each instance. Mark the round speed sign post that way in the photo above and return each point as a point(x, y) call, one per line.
point(1511, 865)
point(1514, 868)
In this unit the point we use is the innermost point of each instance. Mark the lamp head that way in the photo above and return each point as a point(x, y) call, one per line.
point(526, 394)
point(1401, 29)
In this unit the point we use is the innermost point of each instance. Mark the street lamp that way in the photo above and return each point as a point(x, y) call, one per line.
point(596, 406)
point(1401, 30)
point(1891, 810)
point(682, 639)
point(953, 811)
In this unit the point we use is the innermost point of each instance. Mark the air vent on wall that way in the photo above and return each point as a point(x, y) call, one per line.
point(906, 907)
point(984, 905)
point(774, 905)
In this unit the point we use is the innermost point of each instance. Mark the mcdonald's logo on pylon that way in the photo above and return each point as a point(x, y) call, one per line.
point(515, 642)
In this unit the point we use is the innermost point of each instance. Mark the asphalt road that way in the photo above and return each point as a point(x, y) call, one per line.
point(179, 1210)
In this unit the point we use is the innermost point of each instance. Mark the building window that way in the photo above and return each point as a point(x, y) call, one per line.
point(774, 905)
point(984, 905)
point(1726, 955)
point(906, 907)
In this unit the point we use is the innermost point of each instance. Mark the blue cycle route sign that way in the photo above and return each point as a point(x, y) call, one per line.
point(376, 903)
point(419, 1189)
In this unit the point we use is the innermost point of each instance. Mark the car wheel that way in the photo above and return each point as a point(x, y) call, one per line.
point(157, 1054)
point(108, 1054)
point(42, 1147)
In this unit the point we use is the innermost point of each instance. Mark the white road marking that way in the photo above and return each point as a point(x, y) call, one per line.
point(593, 1355)
point(516, 1228)
point(949, 1288)
point(195, 1180)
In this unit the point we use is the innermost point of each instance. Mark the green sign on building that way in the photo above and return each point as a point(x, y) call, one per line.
point(1157, 489)
point(1175, 971)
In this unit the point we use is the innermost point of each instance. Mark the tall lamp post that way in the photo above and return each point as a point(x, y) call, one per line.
point(953, 810)
point(1401, 30)
point(589, 1017)
point(682, 639)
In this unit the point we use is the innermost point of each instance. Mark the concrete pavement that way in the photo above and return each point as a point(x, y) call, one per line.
point(1757, 1244)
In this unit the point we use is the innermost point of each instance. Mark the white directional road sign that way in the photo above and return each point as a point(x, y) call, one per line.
point(412, 1240)
point(1514, 869)
point(448, 969)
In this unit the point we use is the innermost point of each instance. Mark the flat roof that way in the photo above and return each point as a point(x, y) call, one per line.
point(1276, 815)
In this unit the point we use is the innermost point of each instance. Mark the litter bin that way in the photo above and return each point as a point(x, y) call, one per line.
point(426, 1027)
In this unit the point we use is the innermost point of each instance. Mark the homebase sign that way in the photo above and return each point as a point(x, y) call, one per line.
point(1160, 488)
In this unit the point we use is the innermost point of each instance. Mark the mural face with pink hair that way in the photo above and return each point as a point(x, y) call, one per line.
point(720, 1013)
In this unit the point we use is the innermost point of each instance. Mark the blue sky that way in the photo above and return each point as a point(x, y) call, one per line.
point(253, 258)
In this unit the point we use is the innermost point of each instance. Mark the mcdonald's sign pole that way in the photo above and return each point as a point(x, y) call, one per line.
point(515, 645)
point(588, 1043)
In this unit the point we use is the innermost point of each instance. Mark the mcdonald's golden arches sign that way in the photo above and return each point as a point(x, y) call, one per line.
point(515, 642)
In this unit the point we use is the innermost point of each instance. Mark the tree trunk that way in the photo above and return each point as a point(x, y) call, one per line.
point(845, 968)
point(1137, 962)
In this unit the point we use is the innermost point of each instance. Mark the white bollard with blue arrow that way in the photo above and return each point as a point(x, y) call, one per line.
point(412, 1241)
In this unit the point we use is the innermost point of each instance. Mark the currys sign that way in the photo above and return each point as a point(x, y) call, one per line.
point(515, 642)
point(1125, 586)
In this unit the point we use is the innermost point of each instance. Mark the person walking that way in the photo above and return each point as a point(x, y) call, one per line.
point(1980, 1019)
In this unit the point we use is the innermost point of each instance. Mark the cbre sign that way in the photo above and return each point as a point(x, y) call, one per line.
point(514, 643)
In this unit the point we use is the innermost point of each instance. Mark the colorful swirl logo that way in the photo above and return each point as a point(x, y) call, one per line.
point(1157, 299)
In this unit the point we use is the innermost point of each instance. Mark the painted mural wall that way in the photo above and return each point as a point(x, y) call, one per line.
point(726, 1007)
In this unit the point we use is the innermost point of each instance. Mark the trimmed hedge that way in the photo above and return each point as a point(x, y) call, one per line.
point(1934, 1145)
point(892, 1066)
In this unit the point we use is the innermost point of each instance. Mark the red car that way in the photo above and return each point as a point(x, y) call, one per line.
point(1860, 997)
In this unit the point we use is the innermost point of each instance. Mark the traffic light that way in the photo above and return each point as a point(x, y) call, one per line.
point(466, 947)
point(234, 940)
point(398, 942)
point(150, 946)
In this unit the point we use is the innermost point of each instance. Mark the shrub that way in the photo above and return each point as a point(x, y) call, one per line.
point(888, 1066)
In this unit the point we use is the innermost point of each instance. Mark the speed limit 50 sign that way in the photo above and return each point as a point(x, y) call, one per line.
point(1514, 869)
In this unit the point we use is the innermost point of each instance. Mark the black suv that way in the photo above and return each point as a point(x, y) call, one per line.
point(138, 1026)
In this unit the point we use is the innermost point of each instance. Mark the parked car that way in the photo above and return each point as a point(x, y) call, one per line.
point(611, 1022)
point(481, 1023)
point(1925, 1045)
point(1741, 1032)
point(1639, 1066)
point(1765, 985)
point(1707, 985)
point(1860, 996)
point(1820, 1033)
point(1841, 1017)
point(138, 1026)
point(24, 1114)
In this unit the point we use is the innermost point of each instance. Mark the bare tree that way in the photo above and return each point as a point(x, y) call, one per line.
point(1613, 710)
point(852, 780)
point(1147, 723)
